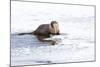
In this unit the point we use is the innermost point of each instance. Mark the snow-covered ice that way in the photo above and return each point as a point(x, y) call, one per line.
point(74, 20)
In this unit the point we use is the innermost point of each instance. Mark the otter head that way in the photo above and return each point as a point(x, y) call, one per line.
point(54, 27)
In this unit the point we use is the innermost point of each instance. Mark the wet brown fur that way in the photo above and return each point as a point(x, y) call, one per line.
point(44, 31)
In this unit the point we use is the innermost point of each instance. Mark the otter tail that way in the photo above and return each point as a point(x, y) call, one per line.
point(25, 33)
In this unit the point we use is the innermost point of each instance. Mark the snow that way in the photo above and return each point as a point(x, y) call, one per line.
point(74, 20)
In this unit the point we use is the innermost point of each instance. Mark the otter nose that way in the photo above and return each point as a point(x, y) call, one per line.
point(55, 28)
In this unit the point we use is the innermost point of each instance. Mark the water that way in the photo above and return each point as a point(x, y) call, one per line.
point(27, 50)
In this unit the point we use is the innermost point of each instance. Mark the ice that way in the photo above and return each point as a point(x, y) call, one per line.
point(76, 22)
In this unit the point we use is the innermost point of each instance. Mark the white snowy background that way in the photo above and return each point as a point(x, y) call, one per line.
point(74, 20)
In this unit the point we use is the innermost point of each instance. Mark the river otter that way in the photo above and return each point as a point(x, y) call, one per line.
point(45, 30)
